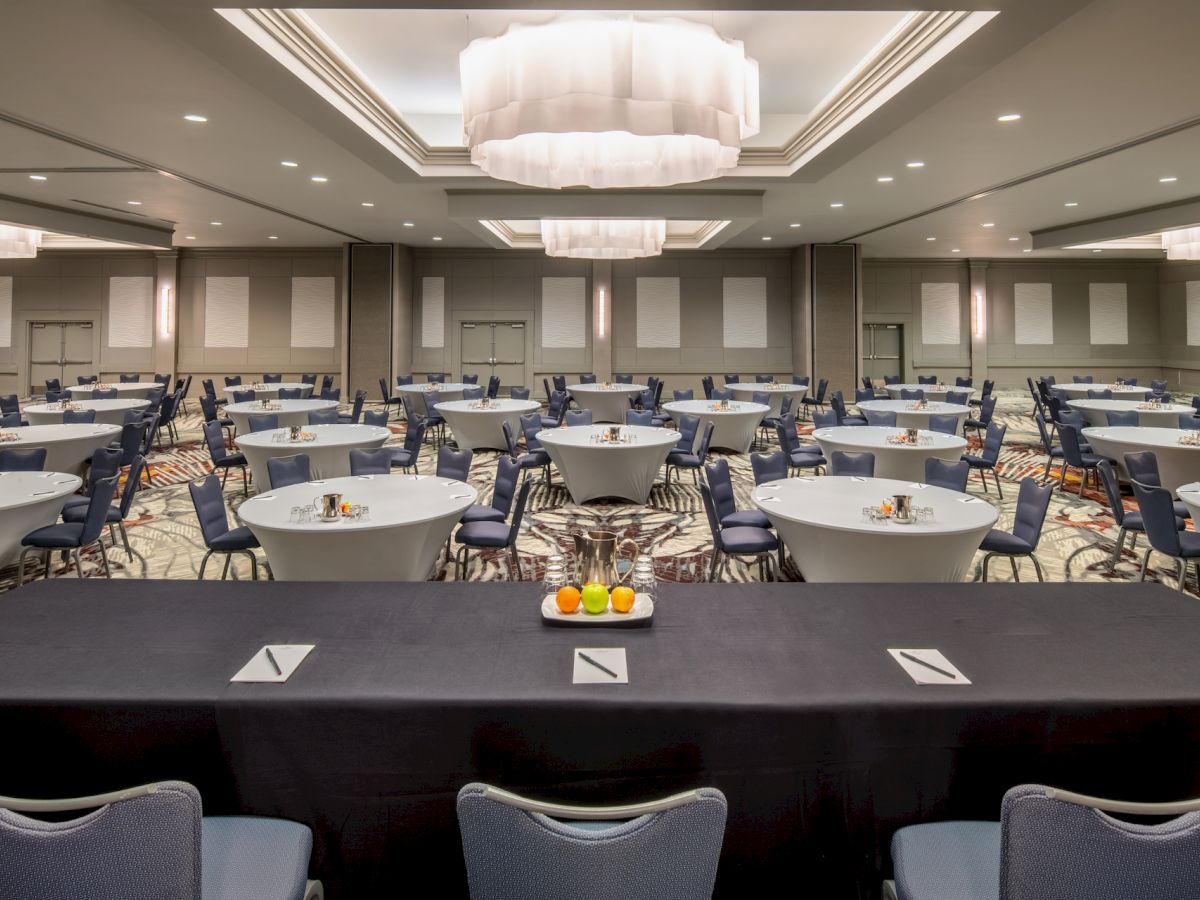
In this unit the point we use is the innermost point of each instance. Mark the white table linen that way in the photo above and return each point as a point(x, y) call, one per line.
point(1178, 464)
point(1094, 411)
point(745, 390)
point(905, 462)
point(932, 391)
point(291, 412)
point(1119, 392)
point(821, 522)
point(476, 428)
point(68, 447)
point(592, 470)
point(733, 428)
point(328, 453)
point(445, 393)
point(1190, 495)
point(410, 518)
point(916, 418)
point(608, 402)
point(28, 501)
point(271, 391)
point(139, 390)
point(108, 412)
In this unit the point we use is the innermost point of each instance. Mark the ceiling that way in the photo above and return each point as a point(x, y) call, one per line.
point(1103, 89)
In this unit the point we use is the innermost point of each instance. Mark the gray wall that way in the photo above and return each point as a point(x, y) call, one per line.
point(1181, 363)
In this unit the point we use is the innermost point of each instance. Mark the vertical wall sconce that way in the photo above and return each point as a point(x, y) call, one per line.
point(978, 314)
point(164, 314)
point(600, 313)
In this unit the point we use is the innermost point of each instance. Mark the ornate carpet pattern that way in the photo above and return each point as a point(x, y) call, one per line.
point(1077, 541)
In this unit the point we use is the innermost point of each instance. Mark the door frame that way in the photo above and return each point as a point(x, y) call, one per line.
point(24, 326)
point(905, 322)
point(491, 316)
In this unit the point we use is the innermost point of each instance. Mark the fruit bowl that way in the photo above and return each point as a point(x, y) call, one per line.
point(640, 615)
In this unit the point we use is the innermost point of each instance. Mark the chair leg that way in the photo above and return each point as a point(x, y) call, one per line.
point(1133, 541)
point(1183, 569)
point(1145, 564)
point(1012, 561)
point(104, 558)
point(246, 481)
point(1112, 563)
point(46, 565)
point(1037, 567)
point(253, 564)
point(516, 559)
point(225, 571)
point(78, 561)
point(1062, 476)
point(224, 477)
point(984, 566)
point(999, 489)
point(125, 540)
point(203, 563)
point(716, 561)
point(21, 567)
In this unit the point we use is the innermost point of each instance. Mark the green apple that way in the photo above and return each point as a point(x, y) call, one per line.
point(595, 598)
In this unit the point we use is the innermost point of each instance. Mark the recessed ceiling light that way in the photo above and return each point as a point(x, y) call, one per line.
point(134, 202)
point(1071, 203)
point(289, 163)
point(766, 237)
point(884, 179)
point(368, 204)
point(407, 224)
point(915, 164)
point(795, 225)
point(1167, 179)
point(931, 239)
point(1014, 238)
point(989, 224)
point(1027, 250)
point(1097, 251)
point(214, 223)
point(319, 179)
point(38, 177)
point(272, 237)
point(437, 237)
point(194, 117)
point(955, 250)
point(836, 205)
point(190, 237)
point(1008, 117)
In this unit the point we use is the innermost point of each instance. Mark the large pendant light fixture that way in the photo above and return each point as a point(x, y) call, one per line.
point(604, 238)
point(1182, 244)
point(605, 103)
point(19, 243)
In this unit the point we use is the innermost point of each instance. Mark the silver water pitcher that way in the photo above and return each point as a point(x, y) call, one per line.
point(328, 507)
point(596, 558)
point(902, 510)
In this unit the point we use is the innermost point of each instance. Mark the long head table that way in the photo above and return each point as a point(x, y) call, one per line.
point(782, 696)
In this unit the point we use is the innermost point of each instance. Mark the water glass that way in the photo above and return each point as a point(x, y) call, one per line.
point(364, 513)
point(643, 582)
point(554, 580)
point(297, 514)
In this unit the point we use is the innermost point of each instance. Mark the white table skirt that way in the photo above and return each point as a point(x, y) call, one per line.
point(1190, 495)
point(24, 507)
point(68, 447)
point(820, 521)
point(328, 455)
point(916, 418)
point(446, 393)
point(608, 470)
point(1094, 411)
point(905, 462)
point(481, 428)
point(134, 391)
point(1178, 464)
point(271, 391)
point(293, 412)
point(931, 391)
point(733, 429)
point(411, 517)
point(745, 390)
point(1080, 391)
point(608, 404)
point(108, 412)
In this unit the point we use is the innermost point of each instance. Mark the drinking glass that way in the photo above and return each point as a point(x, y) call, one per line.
point(554, 580)
point(643, 582)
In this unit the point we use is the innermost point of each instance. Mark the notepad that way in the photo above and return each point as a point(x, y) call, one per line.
point(610, 657)
point(259, 668)
point(923, 674)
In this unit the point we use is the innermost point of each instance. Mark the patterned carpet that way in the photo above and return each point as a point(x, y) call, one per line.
point(1076, 544)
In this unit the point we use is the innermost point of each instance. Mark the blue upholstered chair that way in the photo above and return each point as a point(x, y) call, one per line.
point(105, 462)
point(913, 394)
point(473, 393)
point(719, 394)
point(104, 394)
point(639, 417)
point(720, 485)
point(1032, 502)
point(33, 460)
point(1143, 468)
point(892, 379)
point(943, 423)
point(556, 411)
point(290, 393)
point(988, 457)
point(117, 514)
point(1127, 522)
point(88, 379)
point(945, 474)
point(864, 395)
point(576, 417)
point(218, 537)
point(224, 460)
point(284, 471)
point(681, 396)
point(623, 379)
point(323, 417)
point(210, 391)
point(518, 393)
point(1187, 421)
point(71, 537)
point(435, 377)
point(454, 464)
point(1122, 418)
point(272, 377)
point(233, 380)
point(880, 419)
point(798, 457)
point(508, 471)
point(485, 535)
point(801, 380)
point(1075, 457)
point(247, 396)
point(732, 378)
point(964, 381)
point(842, 462)
point(818, 399)
point(769, 466)
point(824, 418)
point(401, 380)
point(360, 397)
point(688, 427)
point(1104, 394)
point(371, 462)
point(9, 404)
point(988, 386)
point(706, 384)
point(388, 400)
point(53, 384)
point(958, 398)
point(535, 456)
point(764, 379)
point(1083, 379)
point(408, 457)
point(326, 383)
point(838, 405)
point(518, 848)
point(1162, 531)
point(769, 422)
point(986, 409)
point(927, 379)
point(677, 459)
point(470, 379)
point(262, 422)
point(377, 419)
point(559, 382)
point(493, 387)
point(70, 417)
point(208, 409)
point(740, 540)
point(588, 378)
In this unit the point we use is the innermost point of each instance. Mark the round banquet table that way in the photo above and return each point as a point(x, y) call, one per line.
point(905, 462)
point(108, 412)
point(1119, 392)
point(410, 518)
point(821, 522)
point(137, 390)
point(745, 390)
point(328, 453)
point(28, 501)
point(1178, 464)
point(1094, 411)
point(931, 391)
point(916, 418)
point(733, 428)
point(474, 427)
point(292, 412)
point(1190, 495)
point(608, 402)
point(271, 391)
point(446, 392)
point(592, 469)
point(68, 447)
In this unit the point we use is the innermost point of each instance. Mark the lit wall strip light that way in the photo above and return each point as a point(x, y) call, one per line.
point(164, 314)
point(978, 315)
point(600, 313)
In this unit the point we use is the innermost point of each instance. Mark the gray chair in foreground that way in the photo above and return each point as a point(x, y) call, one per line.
point(1052, 845)
point(515, 847)
point(149, 842)
point(1032, 502)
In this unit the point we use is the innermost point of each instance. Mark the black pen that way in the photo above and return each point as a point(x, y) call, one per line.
point(602, 668)
point(922, 662)
point(274, 661)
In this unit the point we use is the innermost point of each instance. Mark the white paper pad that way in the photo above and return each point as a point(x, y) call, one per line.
point(924, 675)
point(289, 657)
point(609, 657)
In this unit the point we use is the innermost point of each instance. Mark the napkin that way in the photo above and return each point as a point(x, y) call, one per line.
point(923, 674)
point(259, 668)
point(610, 657)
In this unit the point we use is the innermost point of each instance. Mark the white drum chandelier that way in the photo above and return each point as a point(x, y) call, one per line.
point(1182, 244)
point(606, 103)
point(19, 243)
point(604, 238)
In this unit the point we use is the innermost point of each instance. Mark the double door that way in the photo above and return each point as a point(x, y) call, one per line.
point(494, 348)
point(883, 351)
point(61, 350)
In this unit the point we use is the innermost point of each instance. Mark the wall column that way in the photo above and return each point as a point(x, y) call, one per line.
point(836, 323)
point(369, 304)
point(802, 310)
point(166, 312)
point(602, 353)
point(979, 321)
point(403, 289)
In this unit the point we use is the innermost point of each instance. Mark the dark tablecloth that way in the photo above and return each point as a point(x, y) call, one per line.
point(782, 696)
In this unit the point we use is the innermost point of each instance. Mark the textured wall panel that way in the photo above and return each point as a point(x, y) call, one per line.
point(433, 312)
point(313, 311)
point(1109, 313)
point(130, 311)
point(1193, 313)
point(744, 315)
point(564, 311)
point(369, 299)
point(1033, 309)
point(658, 312)
point(226, 311)
point(6, 292)
point(835, 323)
point(940, 312)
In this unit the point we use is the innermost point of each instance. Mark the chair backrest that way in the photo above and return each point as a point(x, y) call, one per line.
point(842, 462)
point(946, 474)
point(800, 380)
point(559, 382)
point(233, 380)
point(710, 513)
point(326, 383)
point(785, 406)
point(579, 417)
point(962, 381)
point(761, 397)
point(558, 405)
point(764, 379)
point(1072, 417)
point(688, 426)
point(384, 393)
point(892, 379)
point(1158, 385)
point(414, 437)
point(453, 463)
point(680, 396)
point(162, 378)
point(876, 417)
point(106, 462)
point(70, 417)
point(1032, 502)
point(733, 379)
point(210, 507)
point(987, 409)
point(243, 396)
point(992, 442)
point(290, 393)
point(132, 434)
point(519, 393)
point(927, 379)
point(208, 406)
point(1108, 477)
point(508, 470)
point(9, 404)
point(706, 383)
point(139, 843)
point(53, 384)
point(825, 418)
point(1050, 380)
point(1082, 379)
point(1104, 394)
point(272, 377)
point(33, 460)
point(988, 386)
point(212, 436)
point(309, 378)
point(1068, 436)
point(1158, 516)
point(323, 417)
point(360, 397)
point(88, 379)
point(705, 440)
point(639, 417)
point(768, 466)
point(438, 377)
point(822, 386)
point(263, 422)
point(531, 425)
point(56, 396)
point(100, 498)
point(510, 441)
point(914, 394)
point(519, 512)
point(133, 415)
point(401, 380)
point(720, 486)
point(132, 482)
point(13, 420)
point(378, 419)
point(589, 378)
point(624, 379)
point(493, 387)
point(944, 423)
point(958, 398)
point(864, 395)
point(473, 393)
point(104, 394)
point(283, 471)
point(786, 431)
point(1187, 421)
point(470, 379)
point(371, 462)
point(1117, 418)
point(334, 394)
point(866, 383)
point(1055, 845)
point(838, 405)
point(1143, 467)
point(646, 399)
point(130, 378)
point(720, 394)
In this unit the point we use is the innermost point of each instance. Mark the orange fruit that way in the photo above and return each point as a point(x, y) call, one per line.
point(622, 599)
point(567, 599)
